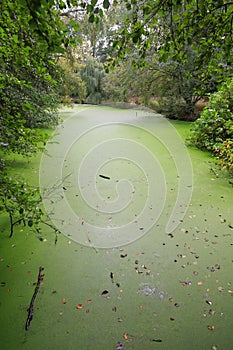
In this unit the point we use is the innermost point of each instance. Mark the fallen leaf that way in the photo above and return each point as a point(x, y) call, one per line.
point(220, 289)
point(79, 306)
point(199, 283)
point(119, 345)
point(172, 319)
point(125, 336)
point(63, 301)
point(89, 301)
point(211, 328)
point(212, 312)
point(105, 293)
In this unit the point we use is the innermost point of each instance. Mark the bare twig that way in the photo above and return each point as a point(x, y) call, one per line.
point(31, 307)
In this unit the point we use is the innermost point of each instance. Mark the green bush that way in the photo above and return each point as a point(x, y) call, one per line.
point(173, 107)
point(213, 131)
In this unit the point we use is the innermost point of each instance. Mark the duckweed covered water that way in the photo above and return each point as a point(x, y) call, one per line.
point(165, 291)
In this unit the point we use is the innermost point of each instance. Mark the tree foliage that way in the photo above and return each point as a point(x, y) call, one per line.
point(192, 40)
point(92, 73)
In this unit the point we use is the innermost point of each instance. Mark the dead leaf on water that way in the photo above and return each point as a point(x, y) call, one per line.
point(105, 293)
point(119, 345)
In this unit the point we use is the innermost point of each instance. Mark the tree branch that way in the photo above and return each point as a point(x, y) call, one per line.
point(31, 307)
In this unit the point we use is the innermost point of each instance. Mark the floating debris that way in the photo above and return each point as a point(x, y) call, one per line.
point(156, 340)
point(138, 271)
point(211, 312)
point(186, 283)
point(161, 295)
point(146, 289)
point(104, 177)
point(105, 293)
point(119, 345)
point(112, 276)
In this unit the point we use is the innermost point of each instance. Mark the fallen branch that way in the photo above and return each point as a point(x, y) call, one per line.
point(105, 177)
point(31, 307)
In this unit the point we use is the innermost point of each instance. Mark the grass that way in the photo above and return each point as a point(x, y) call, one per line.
point(178, 313)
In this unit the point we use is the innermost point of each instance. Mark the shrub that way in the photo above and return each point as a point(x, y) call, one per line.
point(174, 108)
point(224, 152)
point(213, 131)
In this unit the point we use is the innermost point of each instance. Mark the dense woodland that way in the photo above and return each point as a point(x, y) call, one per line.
point(172, 56)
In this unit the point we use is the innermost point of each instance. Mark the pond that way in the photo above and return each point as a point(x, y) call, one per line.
point(144, 258)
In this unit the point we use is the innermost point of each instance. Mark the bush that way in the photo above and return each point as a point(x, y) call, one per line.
point(224, 152)
point(174, 108)
point(213, 131)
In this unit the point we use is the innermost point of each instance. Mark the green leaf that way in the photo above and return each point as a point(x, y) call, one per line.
point(91, 18)
point(106, 4)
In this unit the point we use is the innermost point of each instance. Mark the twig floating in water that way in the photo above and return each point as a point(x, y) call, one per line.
point(31, 307)
point(105, 177)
